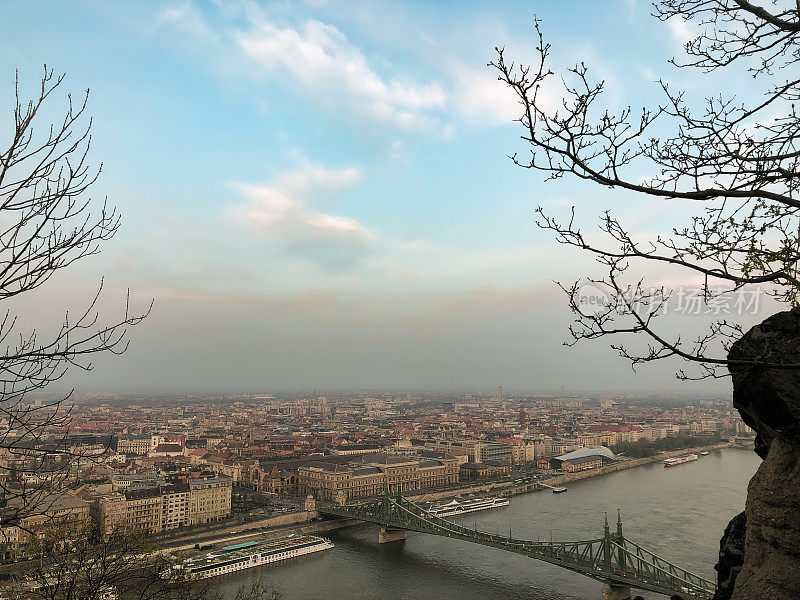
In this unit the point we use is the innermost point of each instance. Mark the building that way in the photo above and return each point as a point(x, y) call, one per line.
point(581, 460)
point(174, 506)
point(137, 510)
point(563, 446)
point(472, 448)
point(111, 512)
point(166, 450)
point(209, 499)
point(143, 510)
point(543, 464)
point(164, 507)
point(271, 479)
point(237, 470)
point(376, 474)
point(517, 448)
point(356, 449)
point(496, 452)
point(134, 481)
point(584, 463)
point(472, 470)
point(601, 451)
point(50, 512)
point(139, 445)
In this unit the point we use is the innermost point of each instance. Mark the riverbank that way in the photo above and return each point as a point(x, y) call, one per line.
point(561, 479)
point(504, 489)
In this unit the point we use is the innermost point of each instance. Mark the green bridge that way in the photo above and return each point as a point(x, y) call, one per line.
point(611, 559)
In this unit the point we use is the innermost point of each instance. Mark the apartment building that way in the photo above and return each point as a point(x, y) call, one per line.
point(110, 512)
point(472, 448)
point(144, 510)
point(209, 499)
point(480, 470)
point(562, 446)
point(125, 481)
point(174, 506)
point(496, 452)
point(57, 510)
point(164, 507)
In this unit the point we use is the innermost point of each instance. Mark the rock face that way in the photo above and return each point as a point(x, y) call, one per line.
point(769, 402)
point(769, 399)
point(731, 556)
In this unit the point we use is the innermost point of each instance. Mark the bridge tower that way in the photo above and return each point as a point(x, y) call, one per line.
point(391, 534)
point(611, 591)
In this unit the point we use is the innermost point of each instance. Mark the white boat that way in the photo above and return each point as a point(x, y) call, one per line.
point(460, 507)
point(679, 460)
point(704, 453)
point(247, 555)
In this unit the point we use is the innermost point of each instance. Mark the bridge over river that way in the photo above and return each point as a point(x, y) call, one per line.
point(612, 559)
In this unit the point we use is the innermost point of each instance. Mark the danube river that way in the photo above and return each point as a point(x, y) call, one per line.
point(678, 513)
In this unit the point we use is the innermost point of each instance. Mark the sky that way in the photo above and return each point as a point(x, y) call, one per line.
point(319, 195)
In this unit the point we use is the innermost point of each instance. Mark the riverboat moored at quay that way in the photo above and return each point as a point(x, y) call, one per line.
point(247, 555)
point(679, 460)
point(460, 507)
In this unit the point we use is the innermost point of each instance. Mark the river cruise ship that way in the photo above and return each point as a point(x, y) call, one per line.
point(247, 555)
point(679, 460)
point(460, 507)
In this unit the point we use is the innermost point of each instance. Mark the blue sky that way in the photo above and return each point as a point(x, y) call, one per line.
point(318, 194)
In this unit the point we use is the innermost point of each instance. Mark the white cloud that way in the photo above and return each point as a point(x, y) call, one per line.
point(185, 16)
point(320, 62)
point(481, 95)
point(303, 180)
point(283, 211)
point(681, 30)
point(320, 58)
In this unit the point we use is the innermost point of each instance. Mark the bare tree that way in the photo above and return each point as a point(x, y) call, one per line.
point(76, 562)
point(737, 161)
point(48, 221)
point(73, 562)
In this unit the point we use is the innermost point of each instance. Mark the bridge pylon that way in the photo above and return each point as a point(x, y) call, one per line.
point(391, 534)
point(616, 592)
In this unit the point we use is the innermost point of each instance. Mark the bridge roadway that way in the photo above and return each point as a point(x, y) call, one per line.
point(612, 559)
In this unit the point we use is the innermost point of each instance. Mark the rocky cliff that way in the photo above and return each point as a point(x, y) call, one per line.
point(769, 531)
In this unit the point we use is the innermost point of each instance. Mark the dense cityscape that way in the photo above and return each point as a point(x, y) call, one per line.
point(160, 464)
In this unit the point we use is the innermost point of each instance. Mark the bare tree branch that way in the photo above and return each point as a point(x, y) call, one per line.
point(47, 223)
point(737, 162)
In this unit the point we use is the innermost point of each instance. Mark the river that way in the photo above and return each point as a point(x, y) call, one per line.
point(678, 513)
